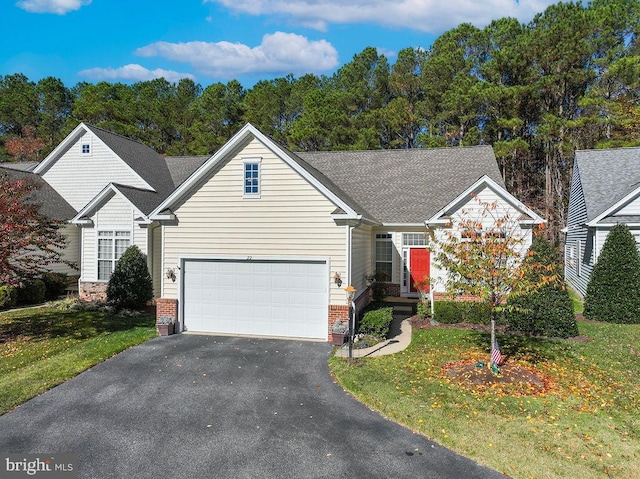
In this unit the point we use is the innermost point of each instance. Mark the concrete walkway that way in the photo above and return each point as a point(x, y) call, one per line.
point(391, 346)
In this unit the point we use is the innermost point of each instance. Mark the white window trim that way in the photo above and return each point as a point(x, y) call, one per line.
point(113, 259)
point(577, 257)
point(86, 141)
point(251, 161)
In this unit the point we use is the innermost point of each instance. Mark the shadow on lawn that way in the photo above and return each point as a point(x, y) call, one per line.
point(45, 323)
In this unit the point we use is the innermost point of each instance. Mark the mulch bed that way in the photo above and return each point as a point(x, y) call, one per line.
point(513, 379)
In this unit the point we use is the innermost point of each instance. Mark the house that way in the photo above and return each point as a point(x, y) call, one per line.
point(605, 191)
point(260, 240)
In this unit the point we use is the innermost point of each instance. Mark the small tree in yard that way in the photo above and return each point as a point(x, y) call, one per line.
point(483, 253)
point(29, 241)
point(548, 310)
point(130, 285)
point(613, 292)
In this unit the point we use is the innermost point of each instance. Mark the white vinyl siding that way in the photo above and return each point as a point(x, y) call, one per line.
point(156, 270)
point(80, 177)
point(116, 215)
point(630, 209)
point(70, 253)
point(291, 218)
point(361, 261)
point(578, 271)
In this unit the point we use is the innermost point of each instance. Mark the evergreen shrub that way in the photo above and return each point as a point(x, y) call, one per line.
point(471, 312)
point(130, 285)
point(613, 292)
point(8, 296)
point(377, 322)
point(548, 310)
point(32, 291)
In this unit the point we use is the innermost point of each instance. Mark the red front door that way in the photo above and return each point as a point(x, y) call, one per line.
point(419, 266)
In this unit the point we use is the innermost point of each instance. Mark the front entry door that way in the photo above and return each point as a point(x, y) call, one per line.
point(419, 266)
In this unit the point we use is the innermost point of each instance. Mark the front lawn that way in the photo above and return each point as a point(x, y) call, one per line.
point(42, 347)
point(583, 423)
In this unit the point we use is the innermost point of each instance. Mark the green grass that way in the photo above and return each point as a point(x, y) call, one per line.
point(587, 425)
point(578, 303)
point(43, 347)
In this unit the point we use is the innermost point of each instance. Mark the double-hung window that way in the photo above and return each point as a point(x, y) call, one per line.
point(251, 178)
point(111, 246)
point(384, 256)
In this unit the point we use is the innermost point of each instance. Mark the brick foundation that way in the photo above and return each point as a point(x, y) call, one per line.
point(338, 311)
point(92, 291)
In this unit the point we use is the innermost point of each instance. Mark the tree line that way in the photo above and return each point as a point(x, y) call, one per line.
point(569, 79)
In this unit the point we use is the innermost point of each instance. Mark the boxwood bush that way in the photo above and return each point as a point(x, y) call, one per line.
point(8, 296)
point(451, 312)
point(56, 285)
point(32, 292)
point(377, 322)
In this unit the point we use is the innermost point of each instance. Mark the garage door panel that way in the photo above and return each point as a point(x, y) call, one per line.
point(269, 298)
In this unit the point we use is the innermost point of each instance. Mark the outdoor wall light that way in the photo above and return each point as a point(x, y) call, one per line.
point(171, 274)
point(337, 279)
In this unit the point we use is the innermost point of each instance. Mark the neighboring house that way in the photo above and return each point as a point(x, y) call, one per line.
point(260, 240)
point(605, 191)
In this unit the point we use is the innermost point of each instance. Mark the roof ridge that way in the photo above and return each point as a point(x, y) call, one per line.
point(128, 138)
point(388, 150)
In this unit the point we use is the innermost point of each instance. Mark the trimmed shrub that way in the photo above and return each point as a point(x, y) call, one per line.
point(377, 322)
point(8, 297)
point(451, 312)
point(32, 292)
point(423, 309)
point(130, 285)
point(612, 292)
point(547, 311)
point(56, 285)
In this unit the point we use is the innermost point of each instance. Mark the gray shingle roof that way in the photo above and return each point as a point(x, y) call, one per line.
point(52, 205)
point(405, 186)
point(20, 165)
point(607, 176)
point(146, 162)
point(181, 167)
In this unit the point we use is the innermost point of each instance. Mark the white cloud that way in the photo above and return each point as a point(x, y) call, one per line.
point(59, 7)
point(279, 53)
point(133, 72)
point(432, 16)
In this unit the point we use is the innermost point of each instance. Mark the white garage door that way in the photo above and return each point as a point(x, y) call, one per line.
point(256, 297)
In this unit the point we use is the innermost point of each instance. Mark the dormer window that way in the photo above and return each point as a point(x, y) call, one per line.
point(251, 177)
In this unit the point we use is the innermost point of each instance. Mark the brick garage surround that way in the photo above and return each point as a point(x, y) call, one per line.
point(92, 291)
point(167, 307)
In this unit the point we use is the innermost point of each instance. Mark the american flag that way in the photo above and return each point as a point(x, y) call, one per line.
point(496, 357)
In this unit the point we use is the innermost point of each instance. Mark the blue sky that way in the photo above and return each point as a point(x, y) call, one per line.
point(221, 40)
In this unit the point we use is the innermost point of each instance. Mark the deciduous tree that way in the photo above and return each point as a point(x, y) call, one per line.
point(483, 252)
point(29, 241)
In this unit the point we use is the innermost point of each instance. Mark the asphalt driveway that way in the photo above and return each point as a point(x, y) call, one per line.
point(188, 406)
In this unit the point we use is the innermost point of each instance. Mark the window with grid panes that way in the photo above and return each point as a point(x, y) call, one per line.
point(384, 256)
point(111, 246)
